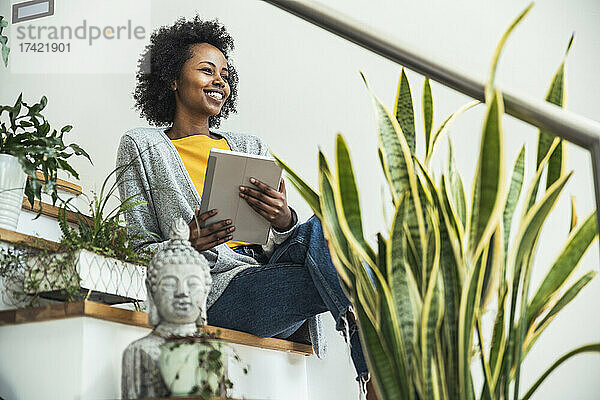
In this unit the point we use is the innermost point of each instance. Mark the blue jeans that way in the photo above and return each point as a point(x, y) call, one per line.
point(297, 282)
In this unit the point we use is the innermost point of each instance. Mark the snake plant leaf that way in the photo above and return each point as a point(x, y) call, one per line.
point(389, 325)
point(457, 191)
point(386, 379)
point(307, 193)
point(488, 182)
point(469, 303)
point(514, 192)
point(386, 172)
point(531, 195)
point(595, 347)
point(498, 343)
point(341, 254)
point(382, 257)
point(399, 277)
point(452, 290)
point(573, 224)
point(348, 204)
point(556, 95)
point(527, 239)
point(566, 298)
point(404, 111)
point(427, 111)
point(494, 267)
point(496, 57)
point(444, 128)
point(399, 162)
point(455, 234)
point(564, 266)
point(397, 157)
point(431, 315)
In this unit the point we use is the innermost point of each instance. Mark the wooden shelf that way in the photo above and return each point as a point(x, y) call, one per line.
point(26, 240)
point(137, 318)
point(50, 211)
point(61, 184)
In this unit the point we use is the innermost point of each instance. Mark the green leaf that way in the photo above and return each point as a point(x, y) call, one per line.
point(556, 95)
point(498, 51)
point(427, 111)
point(457, 191)
point(404, 111)
point(489, 177)
point(527, 238)
point(573, 224)
point(469, 303)
point(399, 163)
point(348, 204)
point(400, 278)
point(431, 315)
point(379, 360)
point(514, 192)
point(583, 349)
point(309, 195)
point(341, 253)
point(563, 267)
point(569, 295)
point(531, 195)
point(5, 53)
point(444, 128)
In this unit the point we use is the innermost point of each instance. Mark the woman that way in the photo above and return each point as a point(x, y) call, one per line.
point(186, 81)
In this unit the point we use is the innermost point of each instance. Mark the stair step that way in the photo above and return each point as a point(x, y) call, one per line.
point(140, 319)
point(74, 350)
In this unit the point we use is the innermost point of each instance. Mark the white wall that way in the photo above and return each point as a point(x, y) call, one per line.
point(300, 86)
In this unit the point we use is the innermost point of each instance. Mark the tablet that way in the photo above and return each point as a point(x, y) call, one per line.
point(225, 172)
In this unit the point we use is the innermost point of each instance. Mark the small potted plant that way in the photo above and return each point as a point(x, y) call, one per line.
point(195, 366)
point(95, 256)
point(3, 41)
point(27, 145)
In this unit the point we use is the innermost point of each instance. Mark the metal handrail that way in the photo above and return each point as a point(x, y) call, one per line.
point(553, 119)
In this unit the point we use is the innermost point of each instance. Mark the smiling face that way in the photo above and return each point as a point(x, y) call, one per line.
point(202, 86)
point(180, 294)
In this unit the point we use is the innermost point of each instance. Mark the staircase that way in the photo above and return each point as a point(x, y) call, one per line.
point(73, 350)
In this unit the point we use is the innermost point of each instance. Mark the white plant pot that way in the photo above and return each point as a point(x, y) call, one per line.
point(112, 281)
point(12, 189)
point(181, 371)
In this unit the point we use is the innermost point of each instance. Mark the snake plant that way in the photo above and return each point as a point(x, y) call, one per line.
point(444, 262)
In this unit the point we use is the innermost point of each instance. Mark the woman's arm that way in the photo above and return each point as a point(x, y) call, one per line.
point(133, 182)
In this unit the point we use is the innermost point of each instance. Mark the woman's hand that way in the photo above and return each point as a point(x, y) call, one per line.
point(269, 202)
point(211, 235)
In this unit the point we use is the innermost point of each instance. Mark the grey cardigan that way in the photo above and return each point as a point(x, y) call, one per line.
point(156, 174)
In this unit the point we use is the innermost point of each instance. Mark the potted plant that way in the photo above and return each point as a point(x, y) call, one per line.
point(195, 366)
point(27, 145)
point(444, 261)
point(3, 41)
point(95, 256)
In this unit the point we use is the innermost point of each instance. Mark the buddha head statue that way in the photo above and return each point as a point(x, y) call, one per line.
point(178, 281)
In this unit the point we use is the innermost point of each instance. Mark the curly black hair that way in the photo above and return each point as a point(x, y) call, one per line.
point(162, 61)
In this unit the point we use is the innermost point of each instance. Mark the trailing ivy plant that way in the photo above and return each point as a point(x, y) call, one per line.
point(209, 351)
point(443, 260)
point(21, 289)
point(4, 41)
point(26, 135)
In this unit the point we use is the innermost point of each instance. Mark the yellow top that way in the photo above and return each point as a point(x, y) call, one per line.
point(194, 151)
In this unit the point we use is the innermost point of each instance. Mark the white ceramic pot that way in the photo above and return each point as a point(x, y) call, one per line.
point(112, 281)
point(183, 367)
point(12, 189)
